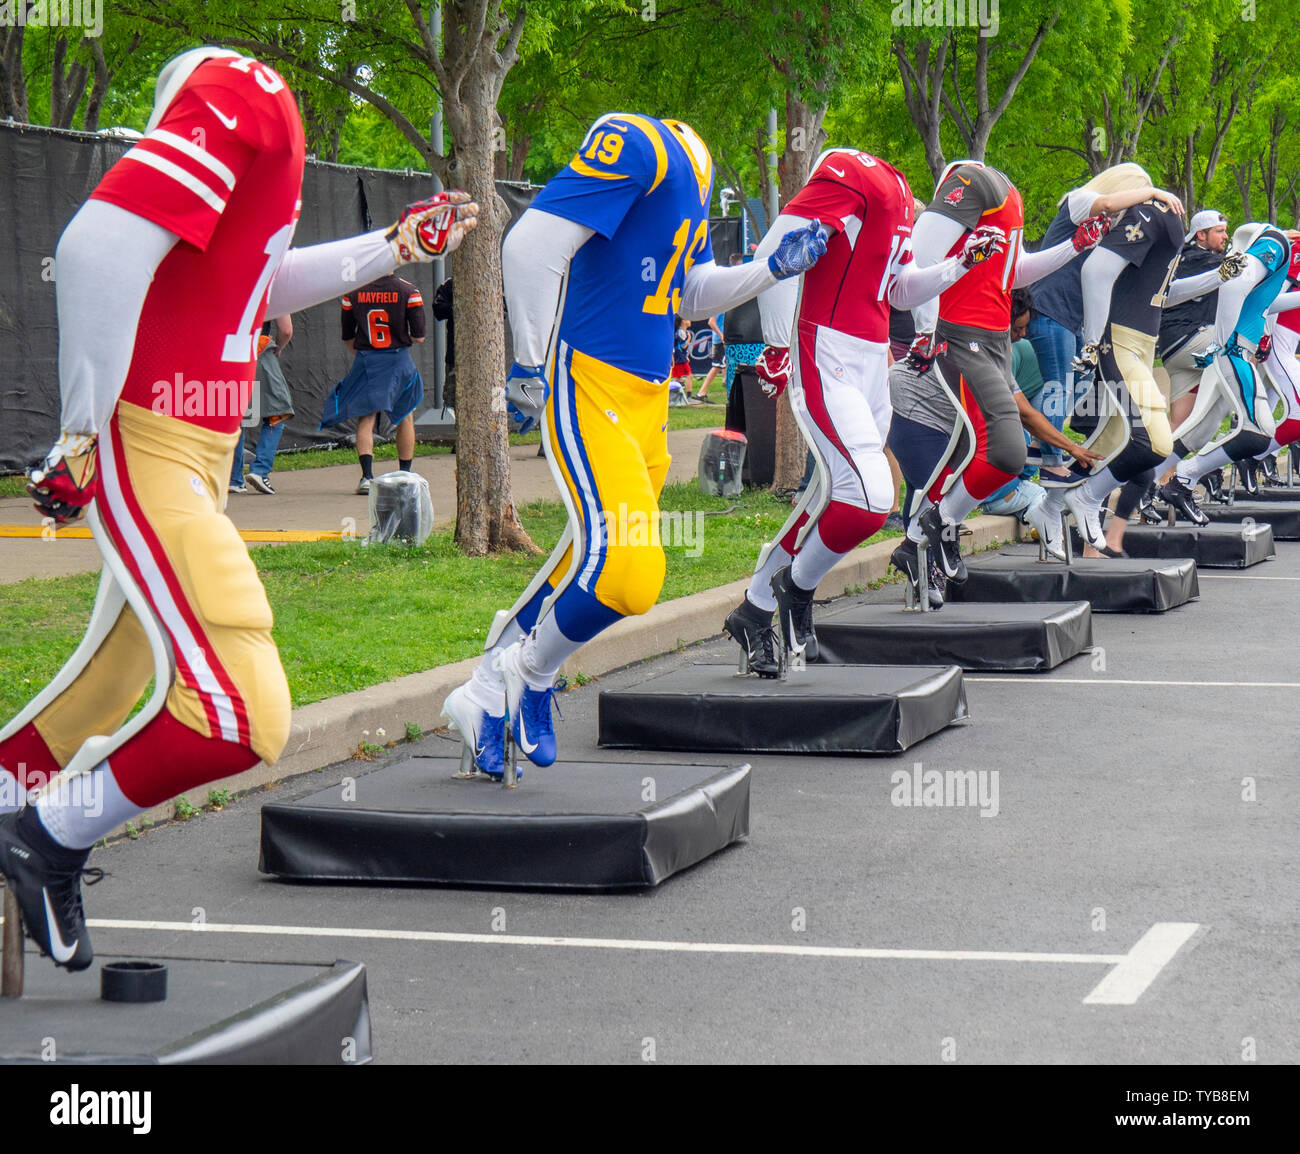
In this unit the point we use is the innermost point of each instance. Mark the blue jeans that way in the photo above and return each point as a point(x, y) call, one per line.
point(1014, 498)
point(267, 442)
point(1055, 346)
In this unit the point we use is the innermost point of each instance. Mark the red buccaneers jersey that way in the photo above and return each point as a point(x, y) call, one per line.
point(1291, 318)
point(223, 171)
point(975, 196)
point(869, 205)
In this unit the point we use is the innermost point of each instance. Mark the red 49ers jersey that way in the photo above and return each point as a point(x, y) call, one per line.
point(869, 204)
point(223, 171)
point(974, 196)
point(1291, 318)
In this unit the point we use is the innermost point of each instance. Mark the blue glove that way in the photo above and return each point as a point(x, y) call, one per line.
point(1206, 359)
point(798, 251)
point(526, 391)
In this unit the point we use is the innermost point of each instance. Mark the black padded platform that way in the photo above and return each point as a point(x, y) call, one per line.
point(985, 636)
point(597, 825)
point(1271, 493)
point(1215, 546)
point(1283, 516)
point(821, 709)
point(245, 1013)
point(1109, 584)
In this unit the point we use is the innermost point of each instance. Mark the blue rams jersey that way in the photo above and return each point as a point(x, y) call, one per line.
point(644, 186)
point(1272, 249)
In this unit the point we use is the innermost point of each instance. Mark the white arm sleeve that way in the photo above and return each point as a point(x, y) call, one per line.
point(321, 272)
point(710, 289)
point(926, 316)
point(1188, 287)
point(1232, 295)
point(103, 245)
point(1100, 272)
point(1033, 266)
point(534, 261)
point(1080, 203)
point(1285, 302)
point(929, 271)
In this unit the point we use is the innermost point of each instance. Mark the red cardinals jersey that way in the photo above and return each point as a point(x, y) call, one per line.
point(223, 171)
point(975, 196)
point(1291, 318)
point(869, 205)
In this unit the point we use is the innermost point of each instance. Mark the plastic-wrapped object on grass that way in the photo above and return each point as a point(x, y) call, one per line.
point(722, 456)
point(400, 509)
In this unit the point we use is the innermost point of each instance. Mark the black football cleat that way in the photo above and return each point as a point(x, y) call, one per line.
point(794, 607)
point(944, 544)
point(907, 560)
point(1268, 470)
point(1249, 472)
point(1146, 507)
point(1213, 483)
point(46, 880)
point(751, 628)
point(1180, 498)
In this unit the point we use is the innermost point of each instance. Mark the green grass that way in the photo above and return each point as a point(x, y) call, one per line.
point(349, 616)
point(13, 486)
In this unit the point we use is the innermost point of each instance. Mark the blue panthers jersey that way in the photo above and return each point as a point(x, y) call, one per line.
point(1272, 249)
point(644, 186)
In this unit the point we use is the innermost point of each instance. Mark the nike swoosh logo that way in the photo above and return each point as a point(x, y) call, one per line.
point(524, 744)
point(1144, 216)
point(59, 950)
point(229, 121)
point(962, 179)
point(836, 171)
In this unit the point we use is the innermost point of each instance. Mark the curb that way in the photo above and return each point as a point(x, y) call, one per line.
point(329, 731)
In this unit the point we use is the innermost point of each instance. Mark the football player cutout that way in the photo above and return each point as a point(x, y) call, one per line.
point(977, 215)
point(595, 270)
point(191, 228)
point(1242, 320)
point(835, 368)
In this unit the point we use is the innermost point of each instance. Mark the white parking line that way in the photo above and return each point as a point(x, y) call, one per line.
point(1128, 981)
point(1116, 681)
point(1239, 577)
point(1131, 974)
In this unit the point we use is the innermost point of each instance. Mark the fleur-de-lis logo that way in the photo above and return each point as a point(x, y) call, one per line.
point(1133, 233)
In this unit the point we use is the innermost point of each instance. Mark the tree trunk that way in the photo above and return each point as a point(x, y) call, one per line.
point(13, 81)
point(518, 156)
point(485, 514)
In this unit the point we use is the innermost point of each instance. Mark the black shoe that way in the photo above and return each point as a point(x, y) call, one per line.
point(1146, 509)
point(907, 561)
point(1268, 469)
point(794, 607)
point(752, 630)
point(46, 880)
point(1213, 482)
point(1179, 498)
point(944, 545)
point(1107, 551)
point(1249, 471)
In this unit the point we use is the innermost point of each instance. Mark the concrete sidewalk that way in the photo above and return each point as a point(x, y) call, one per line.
point(313, 499)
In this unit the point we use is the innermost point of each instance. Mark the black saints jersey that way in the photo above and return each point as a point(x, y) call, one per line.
point(1150, 238)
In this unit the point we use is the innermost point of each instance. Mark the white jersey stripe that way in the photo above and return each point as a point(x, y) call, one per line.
point(160, 596)
point(194, 152)
point(180, 176)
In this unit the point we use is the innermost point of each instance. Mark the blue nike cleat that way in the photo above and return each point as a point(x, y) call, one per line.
point(529, 710)
point(484, 736)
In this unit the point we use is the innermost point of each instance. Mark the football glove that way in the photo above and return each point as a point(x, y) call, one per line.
point(982, 243)
point(1234, 264)
point(1206, 359)
point(433, 227)
point(798, 251)
point(773, 368)
point(68, 478)
point(922, 352)
point(1085, 364)
point(1090, 232)
point(525, 397)
point(1265, 347)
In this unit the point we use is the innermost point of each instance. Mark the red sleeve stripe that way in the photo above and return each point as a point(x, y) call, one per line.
point(194, 152)
point(347, 304)
point(180, 176)
point(414, 299)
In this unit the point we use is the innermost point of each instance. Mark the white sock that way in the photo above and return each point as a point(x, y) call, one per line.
point(957, 503)
point(1168, 463)
point(487, 688)
point(10, 793)
point(79, 810)
point(1099, 486)
point(914, 533)
point(1206, 461)
point(760, 585)
point(544, 650)
point(813, 562)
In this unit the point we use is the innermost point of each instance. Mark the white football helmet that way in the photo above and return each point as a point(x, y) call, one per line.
point(174, 75)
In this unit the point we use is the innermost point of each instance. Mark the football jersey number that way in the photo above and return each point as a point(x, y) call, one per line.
point(1158, 301)
point(1013, 246)
point(267, 80)
point(377, 329)
point(605, 146)
point(657, 302)
point(238, 345)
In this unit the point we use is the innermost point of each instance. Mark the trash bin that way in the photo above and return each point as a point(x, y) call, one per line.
point(401, 509)
point(722, 457)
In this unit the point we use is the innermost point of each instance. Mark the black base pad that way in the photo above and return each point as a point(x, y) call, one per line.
point(1271, 493)
point(1210, 546)
point(598, 825)
point(985, 636)
point(246, 1013)
point(1284, 517)
point(1110, 585)
point(821, 709)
